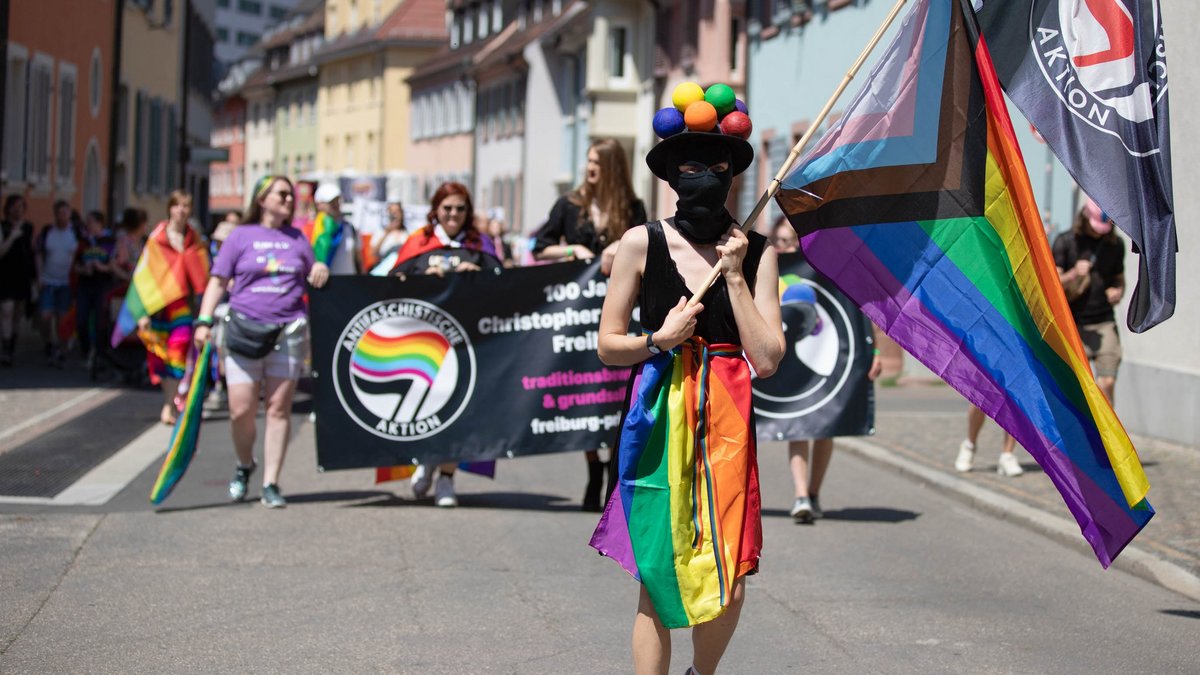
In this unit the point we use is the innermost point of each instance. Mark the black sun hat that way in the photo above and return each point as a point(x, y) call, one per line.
point(702, 122)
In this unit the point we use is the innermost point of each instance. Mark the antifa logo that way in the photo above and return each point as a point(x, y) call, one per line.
point(1087, 52)
point(403, 369)
point(821, 349)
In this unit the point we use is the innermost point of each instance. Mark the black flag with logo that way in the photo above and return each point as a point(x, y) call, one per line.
point(1091, 76)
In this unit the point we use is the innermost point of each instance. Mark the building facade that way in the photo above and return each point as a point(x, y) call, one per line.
point(288, 51)
point(58, 104)
point(148, 110)
point(241, 24)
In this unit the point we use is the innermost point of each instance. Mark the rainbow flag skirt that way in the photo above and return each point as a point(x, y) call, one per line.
point(686, 519)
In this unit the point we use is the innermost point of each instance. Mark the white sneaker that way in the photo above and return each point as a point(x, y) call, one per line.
point(443, 495)
point(422, 479)
point(966, 457)
point(1007, 465)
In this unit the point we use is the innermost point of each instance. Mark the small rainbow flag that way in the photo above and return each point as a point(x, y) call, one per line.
point(182, 447)
point(417, 355)
point(686, 517)
point(162, 276)
point(916, 204)
point(325, 235)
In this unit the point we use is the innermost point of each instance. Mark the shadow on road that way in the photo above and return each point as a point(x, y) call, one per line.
point(514, 501)
point(867, 514)
point(1183, 613)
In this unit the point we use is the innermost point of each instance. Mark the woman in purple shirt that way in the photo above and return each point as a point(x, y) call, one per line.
point(268, 261)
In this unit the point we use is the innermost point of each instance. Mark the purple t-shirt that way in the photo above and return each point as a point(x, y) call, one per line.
point(268, 268)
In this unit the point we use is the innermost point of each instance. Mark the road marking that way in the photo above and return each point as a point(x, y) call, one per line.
point(103, 483)
point(65, 405)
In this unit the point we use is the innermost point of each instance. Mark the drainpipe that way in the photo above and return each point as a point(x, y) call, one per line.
point(114, 126)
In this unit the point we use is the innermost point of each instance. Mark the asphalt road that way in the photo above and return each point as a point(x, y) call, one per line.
point(352, 577)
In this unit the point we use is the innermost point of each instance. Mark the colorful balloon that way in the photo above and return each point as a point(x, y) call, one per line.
point(740, 106)
point(737, 124)
point(721, 97)
point(668, 122)
point(700, 116)
point(685, 95)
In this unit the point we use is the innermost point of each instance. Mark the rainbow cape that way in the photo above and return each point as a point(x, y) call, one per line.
point(162, 276)
point(182, 447)
point(685, 519)
point(325, 235)
point(917, 205)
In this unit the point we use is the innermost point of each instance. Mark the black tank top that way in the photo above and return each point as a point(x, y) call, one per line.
point(662, 286)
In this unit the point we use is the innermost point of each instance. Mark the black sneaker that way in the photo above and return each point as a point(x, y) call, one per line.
point(271, 497)
point(241, 478)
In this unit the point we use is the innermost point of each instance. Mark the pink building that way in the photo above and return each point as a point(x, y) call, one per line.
point(227, 179)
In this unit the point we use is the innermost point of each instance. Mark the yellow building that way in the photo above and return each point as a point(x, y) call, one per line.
point(148, 110)
point(363, 97)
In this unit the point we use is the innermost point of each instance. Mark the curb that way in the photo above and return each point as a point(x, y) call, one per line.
point(1133, 560)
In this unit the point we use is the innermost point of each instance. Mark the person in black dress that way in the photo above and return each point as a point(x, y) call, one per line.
point(737, 326)
point(585, 223)
point(17, 273)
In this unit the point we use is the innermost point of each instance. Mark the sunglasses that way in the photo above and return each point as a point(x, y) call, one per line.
point(448, 208)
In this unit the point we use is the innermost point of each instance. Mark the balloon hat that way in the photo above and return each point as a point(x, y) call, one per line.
point(700, 117)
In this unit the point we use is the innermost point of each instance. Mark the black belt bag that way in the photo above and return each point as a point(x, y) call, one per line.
point(253, 339)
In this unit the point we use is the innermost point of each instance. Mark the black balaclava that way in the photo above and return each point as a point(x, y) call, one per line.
point(700, 214)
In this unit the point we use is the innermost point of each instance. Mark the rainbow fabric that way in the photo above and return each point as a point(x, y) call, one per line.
point(384, 474)
point(917, 205)
point(162, 276)
point(325, 235)
point(686, 517)
point(182, 447)
point(416, 355)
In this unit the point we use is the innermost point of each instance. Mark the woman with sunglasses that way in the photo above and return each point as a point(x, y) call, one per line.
point(449, 242)
point(268, 262)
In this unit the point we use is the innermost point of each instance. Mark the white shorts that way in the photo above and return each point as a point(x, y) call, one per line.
point(286, 362)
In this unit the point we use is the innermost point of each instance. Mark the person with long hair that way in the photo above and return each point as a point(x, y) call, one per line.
point(18, 273)
point(587, 222)
point(268, 262)
point(393, 236)
point(685, 519)
point(449, 242)
point(176, 250)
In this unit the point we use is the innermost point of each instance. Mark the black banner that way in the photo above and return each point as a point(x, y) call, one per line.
point(821, 389)
point(470, 367)
point(483, 365)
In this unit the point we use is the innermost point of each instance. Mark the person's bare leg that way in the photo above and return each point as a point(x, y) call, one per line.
point(1108, 387)
point(975, 420)
point(243, 408)
point(651, 640)
point(279, 395)
point(710, 639)
point(448, 468)
point(1010, 443)
point(821, 456)
point(798, 462)
point(170, 387)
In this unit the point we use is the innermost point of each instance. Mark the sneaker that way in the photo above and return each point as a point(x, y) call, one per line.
point(443, 495)
point(816, 507)
point(802, 511)
point(218, 399)
point(271, 497)
point(1007, 465)
point(422, 480)
point(966, 457)
point(241, 477)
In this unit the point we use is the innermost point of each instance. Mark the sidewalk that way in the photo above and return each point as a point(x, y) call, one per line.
point(919, 429)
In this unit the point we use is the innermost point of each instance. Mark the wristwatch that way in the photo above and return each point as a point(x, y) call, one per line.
point(654, 349)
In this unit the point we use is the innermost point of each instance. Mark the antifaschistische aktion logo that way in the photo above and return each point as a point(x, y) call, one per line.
point(1087, 54)
point(404, 369)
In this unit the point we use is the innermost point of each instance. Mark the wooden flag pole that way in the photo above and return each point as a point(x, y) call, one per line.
point(803, 142)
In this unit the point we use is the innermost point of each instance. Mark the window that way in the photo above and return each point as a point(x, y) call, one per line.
point(497, 16)
point(250, 7)
point(349, 151)
point(95, 84)
point(222, 35)
point(154, 168)
point(223, 4)
point(245, 39)
point(276, 12)
point(91, 178)
point(617, 45)
point(141, 134)
point(468, 32)
point(39, 103)
point(65, 159)
point(283, 166)
point(14, 114)
point(735, 40)
point(352, 24)
point(484, 20)
point(240, 186)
